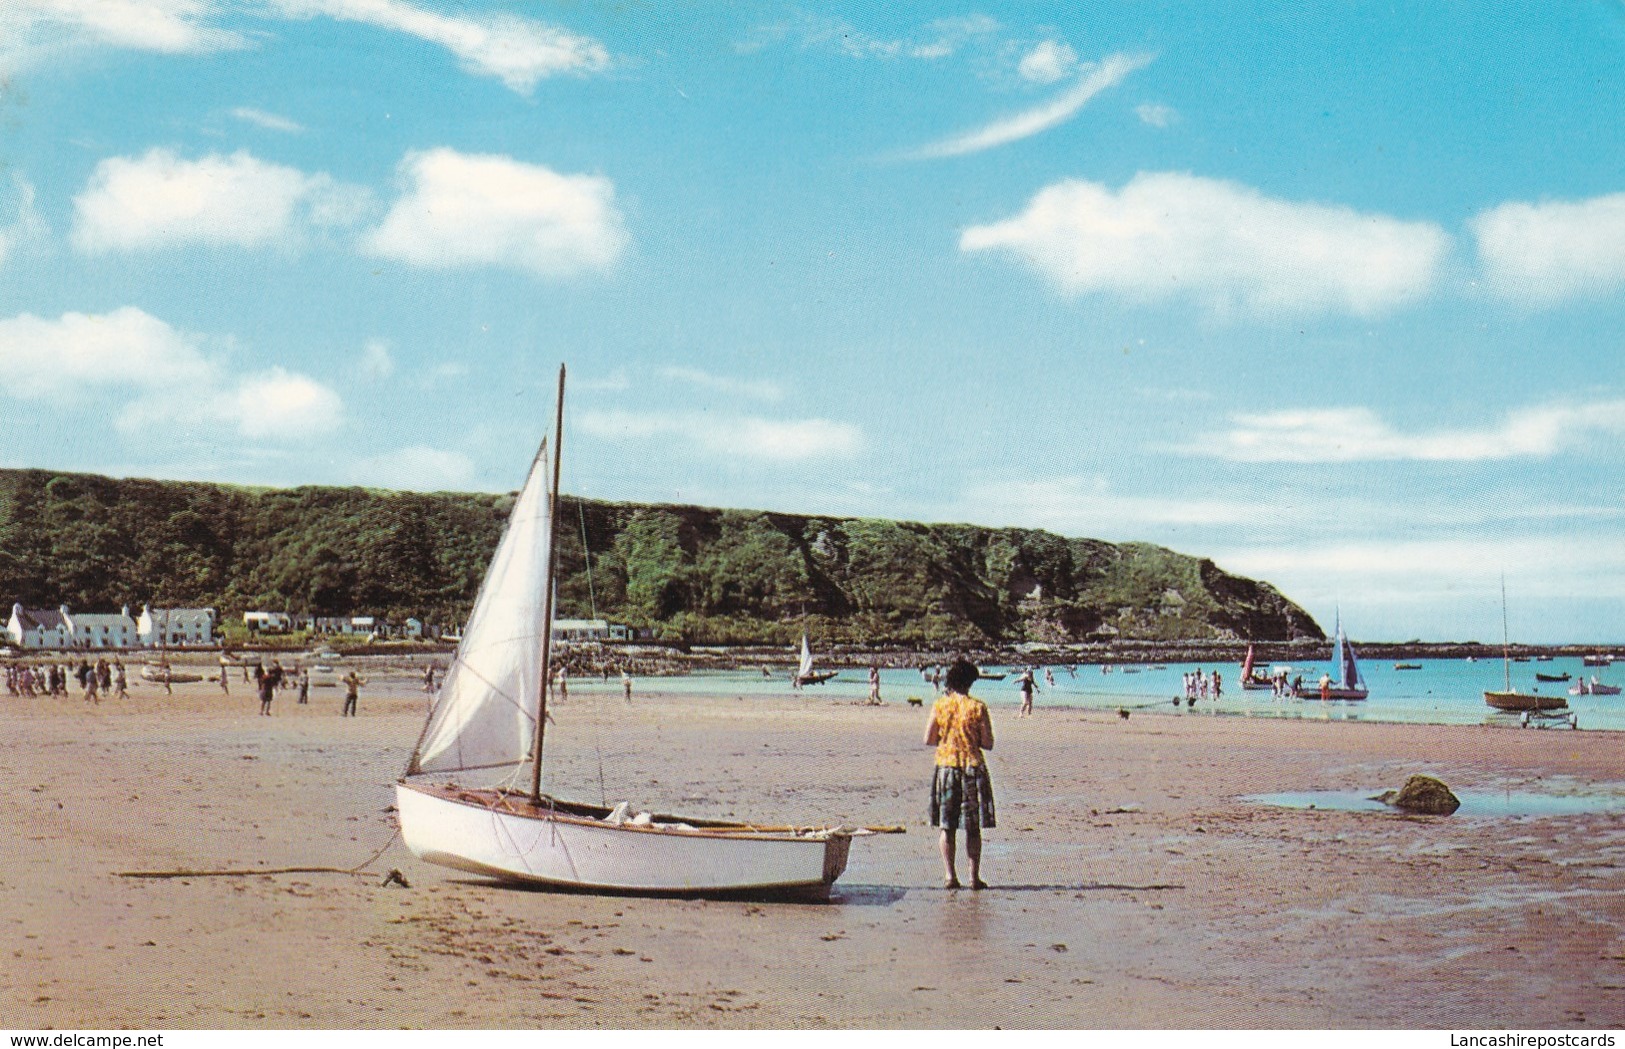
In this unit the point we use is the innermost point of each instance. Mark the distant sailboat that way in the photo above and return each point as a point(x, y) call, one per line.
point(1508, 698)
point(805, 674)
point(1250, 678)
point(1348, 684)
point(491, 712)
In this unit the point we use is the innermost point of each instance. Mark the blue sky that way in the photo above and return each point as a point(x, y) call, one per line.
point(1330, 296)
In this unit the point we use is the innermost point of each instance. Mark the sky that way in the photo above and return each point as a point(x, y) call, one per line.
point(1331, 295)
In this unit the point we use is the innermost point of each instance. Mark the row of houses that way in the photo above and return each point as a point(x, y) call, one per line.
point(36, 628)
point(62, 628)
point(363, 626)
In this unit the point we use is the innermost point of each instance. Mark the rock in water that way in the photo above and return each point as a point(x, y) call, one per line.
point(1423, 794)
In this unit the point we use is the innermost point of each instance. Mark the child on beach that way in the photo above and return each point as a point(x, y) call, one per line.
point(961, 792)
point(352, 693)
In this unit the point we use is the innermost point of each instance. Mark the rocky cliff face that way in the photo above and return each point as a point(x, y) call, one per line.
point(683, 573)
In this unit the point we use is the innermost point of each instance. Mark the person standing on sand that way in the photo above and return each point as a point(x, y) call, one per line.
point(1028, 686)
point(961, 792)
point(874, 685)
point(169, 679)
point(626, 685)
point(304, 685)
point(352, 693)
point(267, 688)
point(120, 679)
point(225, 677)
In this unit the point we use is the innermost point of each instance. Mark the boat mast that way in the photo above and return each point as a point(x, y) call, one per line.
point(547, 615)
point(1506, 642)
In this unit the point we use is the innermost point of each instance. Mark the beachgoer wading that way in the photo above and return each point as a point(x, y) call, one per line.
point(961, 792)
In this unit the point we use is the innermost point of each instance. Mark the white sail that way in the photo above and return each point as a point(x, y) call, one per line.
point(806, 659)
point(485, 713)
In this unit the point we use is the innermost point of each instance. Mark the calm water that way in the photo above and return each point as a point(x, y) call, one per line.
point(1443, 692)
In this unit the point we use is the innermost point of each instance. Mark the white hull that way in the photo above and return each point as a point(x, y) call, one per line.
point(480, 833)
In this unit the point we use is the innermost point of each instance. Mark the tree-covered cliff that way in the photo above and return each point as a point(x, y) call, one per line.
point(686, 573)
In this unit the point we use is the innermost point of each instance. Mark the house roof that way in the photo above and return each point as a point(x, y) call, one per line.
point(35, 618)
point(102, 619)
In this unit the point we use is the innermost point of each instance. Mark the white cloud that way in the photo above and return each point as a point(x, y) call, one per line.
point(151, 375)
point(42, 358)
point(32, 30)
point(1543, 253)
point(1095, 79)
point(1171, 235)
point(1048, 62)
point(1333, 435)
point(417, 468)
point(517, 50)
point(160, 200)
point(269, 121)
point(26, 225)
point(939, 39)
point(1433, 572)
point(760, 389)
point(461, 209)
point(1155, 114)
point(376, 359)
point(279, 403)
point(745, 437)
point(1074, 505)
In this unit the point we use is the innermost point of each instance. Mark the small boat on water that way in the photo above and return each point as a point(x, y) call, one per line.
point(1597, 661)
point(805, 674)
point(1593, 687)
point(1348, 684)
point(991, 675)
point(1550, 677)
point(1251, 679)
point(1407, 666)
point(1508, 698)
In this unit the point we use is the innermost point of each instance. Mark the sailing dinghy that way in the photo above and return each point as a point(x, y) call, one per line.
point(805, 674)
point(1349, 683)
point(1510, 698)
point(490, 714)
point(1251, 679)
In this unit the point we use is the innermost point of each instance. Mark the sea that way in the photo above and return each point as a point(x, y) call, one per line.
point(1441, 692)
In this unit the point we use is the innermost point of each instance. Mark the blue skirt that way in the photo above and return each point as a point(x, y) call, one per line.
point(962, 798)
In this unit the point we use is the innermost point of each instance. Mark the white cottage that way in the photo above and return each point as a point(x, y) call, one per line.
point(163, 627)
point(100, 629)
point(36, 628)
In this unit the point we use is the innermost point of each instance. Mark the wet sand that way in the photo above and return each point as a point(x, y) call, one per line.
point(1132, 887)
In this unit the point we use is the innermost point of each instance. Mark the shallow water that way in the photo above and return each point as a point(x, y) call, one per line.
point(1442, 692)
point(1484, 804)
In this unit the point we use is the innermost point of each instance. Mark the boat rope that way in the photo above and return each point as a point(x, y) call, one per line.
point(233, 872)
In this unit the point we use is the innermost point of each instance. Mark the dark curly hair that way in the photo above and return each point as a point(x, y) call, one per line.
point(962, 675)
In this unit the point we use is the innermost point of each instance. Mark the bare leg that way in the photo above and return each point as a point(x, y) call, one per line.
point(946, 843)
point(973, 852)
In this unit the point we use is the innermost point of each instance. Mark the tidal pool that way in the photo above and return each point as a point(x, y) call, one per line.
point(1473, 802)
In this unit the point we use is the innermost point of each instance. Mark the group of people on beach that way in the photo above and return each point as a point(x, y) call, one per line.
point(1202, 686)
point(103, 678)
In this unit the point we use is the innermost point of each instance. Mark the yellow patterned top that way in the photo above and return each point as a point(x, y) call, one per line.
point(960, 722)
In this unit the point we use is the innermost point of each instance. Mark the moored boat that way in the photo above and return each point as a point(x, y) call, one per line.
point(1593, 687)
point(491, 714)
point(1509, 698)
point(1251, 679)
point(1550, 677)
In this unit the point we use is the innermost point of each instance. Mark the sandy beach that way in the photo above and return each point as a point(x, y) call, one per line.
point(1132, 885)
